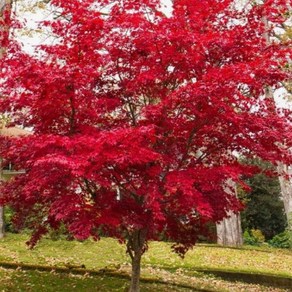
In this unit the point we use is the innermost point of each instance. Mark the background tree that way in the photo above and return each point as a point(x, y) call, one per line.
point(228, 230)
point(137, 118)
point(284, 171)
point(264, 208)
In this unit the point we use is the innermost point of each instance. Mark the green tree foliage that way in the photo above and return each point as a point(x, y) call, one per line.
point(264, 207)
point(282, 240)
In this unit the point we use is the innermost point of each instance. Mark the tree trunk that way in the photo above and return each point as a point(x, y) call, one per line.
point(286, 191)
point(285, 184)
point(136, 272)
point(2, 223)
point(229, 231)
point(135, 247)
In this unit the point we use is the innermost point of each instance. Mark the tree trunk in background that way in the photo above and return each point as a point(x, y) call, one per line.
point(286, 191)
point(283, 170)
point(2, 223)
point(5, 29)
point(229, 231)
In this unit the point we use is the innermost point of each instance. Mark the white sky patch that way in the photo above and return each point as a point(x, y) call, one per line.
point(166, 7)
point(282, 98)
point(30, 13)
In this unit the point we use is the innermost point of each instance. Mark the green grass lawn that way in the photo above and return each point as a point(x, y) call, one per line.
point(20, 281)
point(158, 263)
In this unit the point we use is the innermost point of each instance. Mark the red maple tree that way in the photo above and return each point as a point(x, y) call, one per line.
point(138, 117)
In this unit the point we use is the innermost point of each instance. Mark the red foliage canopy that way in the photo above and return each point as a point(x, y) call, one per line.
point(139, 117)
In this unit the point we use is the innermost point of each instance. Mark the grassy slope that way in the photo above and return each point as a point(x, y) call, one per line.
point(34, 281)
point(157, 262)
point(108, 253)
